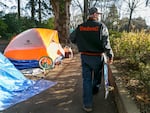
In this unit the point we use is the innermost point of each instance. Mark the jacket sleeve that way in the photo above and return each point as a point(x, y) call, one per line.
point(73, 36)
point(106, 42)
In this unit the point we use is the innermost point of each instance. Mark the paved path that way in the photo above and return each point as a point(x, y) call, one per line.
point(66, 96)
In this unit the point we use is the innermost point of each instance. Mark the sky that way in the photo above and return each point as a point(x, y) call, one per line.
point(142, 11)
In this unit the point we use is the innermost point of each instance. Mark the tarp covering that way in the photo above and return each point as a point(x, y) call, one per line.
point(15, 87)
point(25, 64)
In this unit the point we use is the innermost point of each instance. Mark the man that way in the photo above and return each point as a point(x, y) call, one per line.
point(92, 39)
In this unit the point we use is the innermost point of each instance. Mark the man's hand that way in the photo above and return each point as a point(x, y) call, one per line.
point(110, 61)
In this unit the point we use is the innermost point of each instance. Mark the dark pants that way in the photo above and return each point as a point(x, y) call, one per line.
point(91, 65)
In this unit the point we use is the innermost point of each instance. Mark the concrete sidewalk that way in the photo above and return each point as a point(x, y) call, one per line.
point(123, 99)
point(66, 96)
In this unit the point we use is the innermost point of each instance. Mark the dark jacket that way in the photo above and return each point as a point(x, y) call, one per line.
point(93, 37)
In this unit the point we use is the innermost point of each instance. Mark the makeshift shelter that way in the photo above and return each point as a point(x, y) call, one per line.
point(15, 87)
point(25, 49)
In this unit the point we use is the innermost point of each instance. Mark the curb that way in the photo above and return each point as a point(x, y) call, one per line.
point(124, 101)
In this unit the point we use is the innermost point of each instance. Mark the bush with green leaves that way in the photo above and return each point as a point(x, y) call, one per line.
point(134, 48)
point(3, 28)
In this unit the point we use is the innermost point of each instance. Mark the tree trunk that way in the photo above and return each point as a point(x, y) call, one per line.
point(85, 10)
point(39, 10)
point(19, 9)
point(61, 10)
point(129, 22)
point(32, 9)
point(147, 2)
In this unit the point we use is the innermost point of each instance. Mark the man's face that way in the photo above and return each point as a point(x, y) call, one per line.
point(98, 16)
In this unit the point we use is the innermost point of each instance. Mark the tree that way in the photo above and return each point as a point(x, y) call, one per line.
point(147, 2)
point(44, 9)
point(137, 24)
point(13, 24)
point(31, 5)
point(3, 6)
point(85, 7)
point(3, 28)
point(132, 6)
point(112, 18)
point(76, 18)
point(61, 11)
point(103, 5)
point(39, 10)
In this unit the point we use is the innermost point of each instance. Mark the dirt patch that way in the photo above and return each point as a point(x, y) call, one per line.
point(138, 90)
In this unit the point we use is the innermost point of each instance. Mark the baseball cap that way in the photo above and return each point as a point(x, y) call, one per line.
point(93, 10)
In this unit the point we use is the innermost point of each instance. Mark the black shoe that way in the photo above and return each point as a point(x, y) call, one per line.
point(96, 89)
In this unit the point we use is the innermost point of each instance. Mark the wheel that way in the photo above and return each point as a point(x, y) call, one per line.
point(46, 62)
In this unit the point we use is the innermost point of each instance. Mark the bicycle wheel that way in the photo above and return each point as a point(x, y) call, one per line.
point(46, 62)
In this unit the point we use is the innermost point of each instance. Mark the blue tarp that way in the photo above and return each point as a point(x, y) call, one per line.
point(25, 64)
point(15, 87)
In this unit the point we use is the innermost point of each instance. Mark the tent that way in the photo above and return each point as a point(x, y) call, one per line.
point(25, 49)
